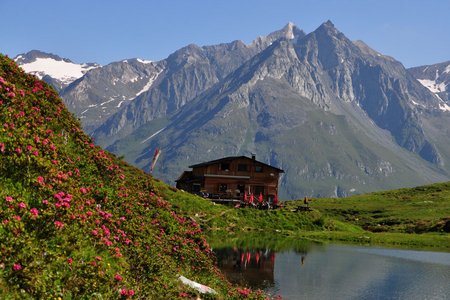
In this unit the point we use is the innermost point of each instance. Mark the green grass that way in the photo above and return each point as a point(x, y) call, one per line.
point(216, 218)
point(347, 220)
point(416, 210)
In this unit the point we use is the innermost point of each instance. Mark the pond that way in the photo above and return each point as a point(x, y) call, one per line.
point(339, 272)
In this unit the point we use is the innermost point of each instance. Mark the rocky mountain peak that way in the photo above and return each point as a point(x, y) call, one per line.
point(328, 30)
point(32, 55)
point(292, 32)
point(57, 71)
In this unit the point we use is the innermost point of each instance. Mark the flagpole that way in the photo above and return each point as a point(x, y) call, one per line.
point(155, 159)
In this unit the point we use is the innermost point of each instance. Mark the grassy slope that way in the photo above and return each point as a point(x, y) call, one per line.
point(354, 219)
point(416, 210)
point(418, 217)
point(76, 222)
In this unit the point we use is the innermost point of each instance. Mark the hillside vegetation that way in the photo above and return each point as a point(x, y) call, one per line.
point(409, 218)
point(76, 222)
point(416, 210)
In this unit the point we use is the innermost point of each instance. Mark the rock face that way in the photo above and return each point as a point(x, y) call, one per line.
point(185, 74)
point(437, 79)
point(104, 91)
point(336, 115)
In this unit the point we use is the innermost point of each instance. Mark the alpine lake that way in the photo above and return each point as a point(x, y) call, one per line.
point(303, 269)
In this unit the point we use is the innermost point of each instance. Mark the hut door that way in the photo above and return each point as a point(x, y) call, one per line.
point(241, 188)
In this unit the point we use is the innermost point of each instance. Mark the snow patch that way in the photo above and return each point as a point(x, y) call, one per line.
point(432, 85)
point(106, 102)
point(447, 69)
point(416, 104)
point(444, 107)
point(120, 103)
point(149, 83)
point(143, 61)
point(61, 70)
point(156, 133)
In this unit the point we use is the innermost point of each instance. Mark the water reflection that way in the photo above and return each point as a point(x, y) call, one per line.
point(254, 268)
point(340, 272)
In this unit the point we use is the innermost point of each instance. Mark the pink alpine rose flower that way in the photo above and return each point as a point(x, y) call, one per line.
point(40, 179)
point(118, 277)
point(34, 211)
point(59, 224)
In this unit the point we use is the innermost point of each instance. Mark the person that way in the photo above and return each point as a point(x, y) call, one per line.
point(275, 201)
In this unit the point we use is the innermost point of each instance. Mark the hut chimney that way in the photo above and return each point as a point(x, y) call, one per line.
point(253, 156)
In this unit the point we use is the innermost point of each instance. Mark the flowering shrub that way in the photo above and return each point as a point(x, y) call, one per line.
point(76, 222)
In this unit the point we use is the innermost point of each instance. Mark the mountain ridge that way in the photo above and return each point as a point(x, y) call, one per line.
point(207, 91)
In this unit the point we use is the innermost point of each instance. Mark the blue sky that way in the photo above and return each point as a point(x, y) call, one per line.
point(415, 32)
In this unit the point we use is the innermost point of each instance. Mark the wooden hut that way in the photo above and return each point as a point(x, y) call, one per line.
point(231, 178)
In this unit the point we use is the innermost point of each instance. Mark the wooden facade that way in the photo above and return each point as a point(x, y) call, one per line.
point(231, 178)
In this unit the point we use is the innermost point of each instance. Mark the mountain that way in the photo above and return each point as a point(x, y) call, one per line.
point(79, 223)
point(337, 116)
point(436, 78)
point(56, 71)
point(103, 91)
point(185, 74)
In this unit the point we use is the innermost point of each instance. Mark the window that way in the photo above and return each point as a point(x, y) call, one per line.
point(258, 169)
point(225, 166)
point(196, 187)
point(242, 167)
point(259, 189)
point(223, 187)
